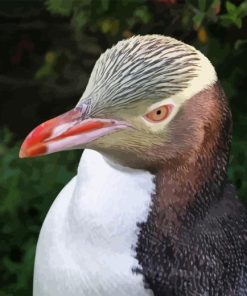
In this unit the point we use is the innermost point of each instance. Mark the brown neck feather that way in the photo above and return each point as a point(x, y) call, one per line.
point(195, 173)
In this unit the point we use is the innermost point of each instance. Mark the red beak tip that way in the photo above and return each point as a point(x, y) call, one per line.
point(22, 154)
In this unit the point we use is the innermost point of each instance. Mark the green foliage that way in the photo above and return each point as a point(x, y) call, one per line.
point(234, 15)
point(62, 7)
point(27, 189)
point(102, 15)
point(54, 62)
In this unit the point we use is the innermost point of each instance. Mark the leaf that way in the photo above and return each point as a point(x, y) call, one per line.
point(105, 4)
point(238, 22)
point(239, 43)
point(243, 9)
point(44, 71)
point(230, 7)
point(202, 5)
point(197, 20)
point(106, 25)
point(79, 19)
point(109, 26)
point(63, 7)
point(143, 14)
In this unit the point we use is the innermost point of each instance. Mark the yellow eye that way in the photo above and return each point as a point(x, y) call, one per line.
point(159, 114)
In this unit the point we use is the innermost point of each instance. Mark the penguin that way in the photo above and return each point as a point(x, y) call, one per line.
point(151, 211)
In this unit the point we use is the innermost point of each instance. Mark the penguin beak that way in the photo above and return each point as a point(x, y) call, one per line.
point(71, 130)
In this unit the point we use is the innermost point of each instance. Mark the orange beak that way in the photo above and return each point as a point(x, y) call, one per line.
point(68, 131)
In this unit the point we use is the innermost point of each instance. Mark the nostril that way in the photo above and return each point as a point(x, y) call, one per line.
point(84, 110)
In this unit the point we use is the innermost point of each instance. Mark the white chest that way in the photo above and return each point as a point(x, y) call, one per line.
point(86, 245)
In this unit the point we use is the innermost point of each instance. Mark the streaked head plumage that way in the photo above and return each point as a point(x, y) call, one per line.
point(146, 67)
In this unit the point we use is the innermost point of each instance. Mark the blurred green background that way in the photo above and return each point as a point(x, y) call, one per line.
point(47, 51)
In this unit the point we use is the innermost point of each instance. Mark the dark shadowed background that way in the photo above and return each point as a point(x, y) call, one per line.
point(47, 51)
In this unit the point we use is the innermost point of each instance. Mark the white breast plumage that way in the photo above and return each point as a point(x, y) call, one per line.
point(86, 242)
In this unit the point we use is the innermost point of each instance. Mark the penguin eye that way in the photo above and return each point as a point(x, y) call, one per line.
point(159, 114)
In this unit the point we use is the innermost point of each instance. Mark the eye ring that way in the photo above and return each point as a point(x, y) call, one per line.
point(159, 114)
